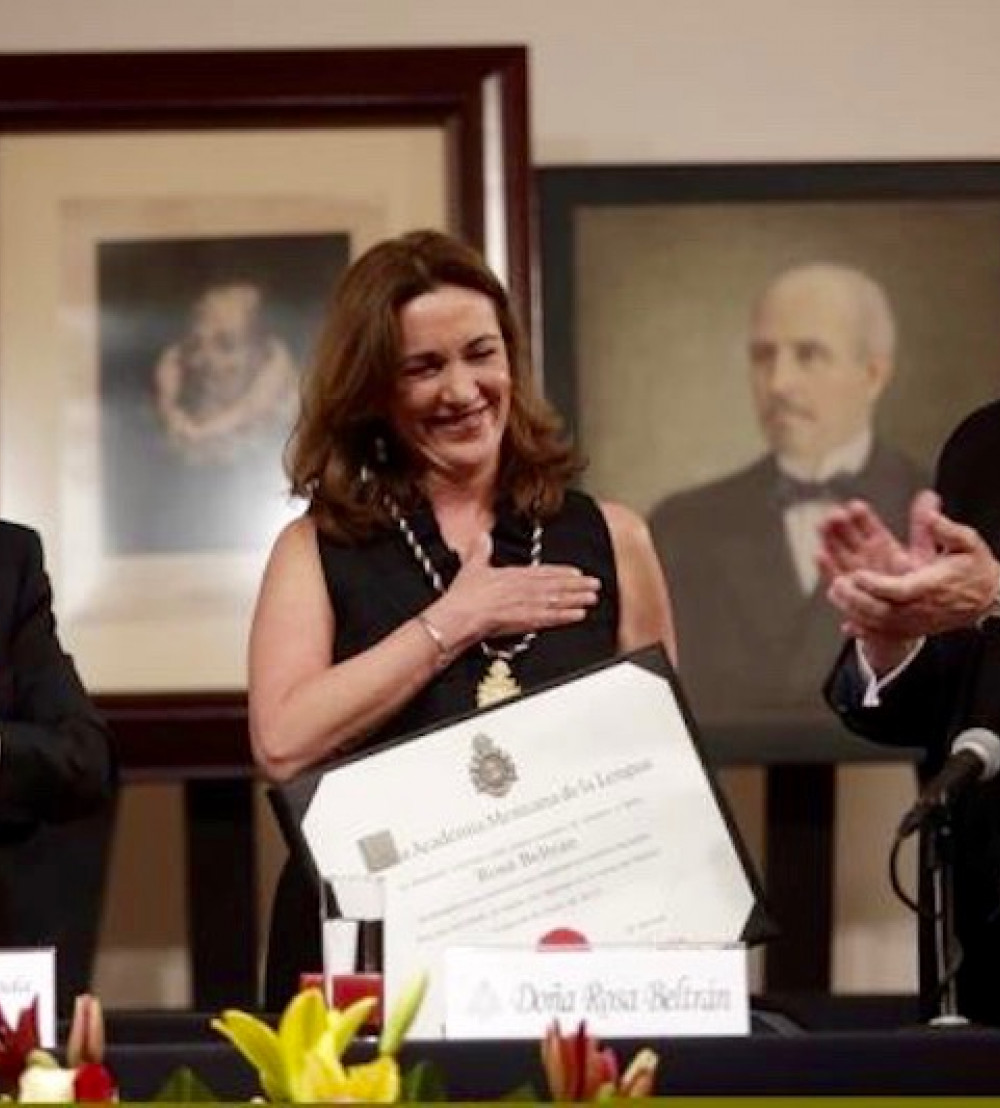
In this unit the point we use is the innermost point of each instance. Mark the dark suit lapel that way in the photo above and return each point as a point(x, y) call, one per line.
point(10, 573)
point(890, 482)
point(11, 569)
point(764, 591)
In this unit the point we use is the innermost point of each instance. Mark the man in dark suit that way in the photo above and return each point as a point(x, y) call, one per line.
point(756, 634)
point(925, 657)
point(56, 761)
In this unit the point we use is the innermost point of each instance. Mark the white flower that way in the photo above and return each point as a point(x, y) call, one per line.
point(46, 1085)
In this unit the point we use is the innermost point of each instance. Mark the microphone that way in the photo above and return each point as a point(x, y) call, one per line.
point(974, 757)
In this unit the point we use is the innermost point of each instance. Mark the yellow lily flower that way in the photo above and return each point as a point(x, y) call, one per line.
point(325, 1079)
point(375, 1082)
point(301, 1061)
point(258, 1043)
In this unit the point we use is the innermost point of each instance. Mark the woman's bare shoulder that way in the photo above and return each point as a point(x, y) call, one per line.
point(624, 523)
point(295, 544)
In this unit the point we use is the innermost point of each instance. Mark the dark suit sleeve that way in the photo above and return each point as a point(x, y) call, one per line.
point(56, 761)
point(927, 703)
point(919, 708)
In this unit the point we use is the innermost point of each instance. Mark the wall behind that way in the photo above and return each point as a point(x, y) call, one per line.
point(638, 81)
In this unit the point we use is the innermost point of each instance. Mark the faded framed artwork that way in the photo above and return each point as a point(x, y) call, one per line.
point(170, 229)
point(658, 297)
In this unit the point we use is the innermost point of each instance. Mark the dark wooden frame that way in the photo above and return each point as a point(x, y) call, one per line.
point(478, 97)
point(478, 94)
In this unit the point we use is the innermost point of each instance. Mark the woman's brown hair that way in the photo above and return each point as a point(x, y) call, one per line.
point(342, 455)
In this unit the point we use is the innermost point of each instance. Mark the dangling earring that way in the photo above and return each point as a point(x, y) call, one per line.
point(381, 451)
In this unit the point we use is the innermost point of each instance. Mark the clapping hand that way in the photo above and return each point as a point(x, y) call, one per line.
point(891, 594)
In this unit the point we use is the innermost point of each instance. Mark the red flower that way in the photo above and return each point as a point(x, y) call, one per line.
point(576, 1068)
point(93, 1083)
point(16, 1043)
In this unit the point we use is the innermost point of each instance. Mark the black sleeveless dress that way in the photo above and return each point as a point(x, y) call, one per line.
point(377, 586)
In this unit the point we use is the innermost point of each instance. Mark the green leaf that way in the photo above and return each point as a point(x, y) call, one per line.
point(42, 1058)
point(404, 1012)
point(184, 1086)
point(423, 1082)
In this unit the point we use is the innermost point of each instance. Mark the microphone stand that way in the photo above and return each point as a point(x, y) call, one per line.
point(936, 847)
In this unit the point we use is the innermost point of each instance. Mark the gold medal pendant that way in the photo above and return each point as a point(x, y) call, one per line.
point(498, 684)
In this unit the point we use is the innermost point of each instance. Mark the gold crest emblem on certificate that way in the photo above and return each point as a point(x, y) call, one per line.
point(492, 769)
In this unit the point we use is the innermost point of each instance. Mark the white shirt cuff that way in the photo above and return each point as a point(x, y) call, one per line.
point(871, 680)
point(993, 611)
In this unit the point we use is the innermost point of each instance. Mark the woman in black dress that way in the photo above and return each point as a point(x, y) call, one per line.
point(442, 562)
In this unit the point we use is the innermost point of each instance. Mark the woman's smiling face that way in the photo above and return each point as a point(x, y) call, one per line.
point(452, 394)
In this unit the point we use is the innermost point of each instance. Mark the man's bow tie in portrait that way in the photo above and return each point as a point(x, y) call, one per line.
point(791, 491)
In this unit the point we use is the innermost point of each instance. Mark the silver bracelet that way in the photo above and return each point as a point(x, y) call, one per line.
point(435, 636)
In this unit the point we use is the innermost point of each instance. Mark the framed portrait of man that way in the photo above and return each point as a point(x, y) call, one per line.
point(740, 347)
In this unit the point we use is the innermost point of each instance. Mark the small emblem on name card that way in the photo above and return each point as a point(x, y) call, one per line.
point(485, 1003)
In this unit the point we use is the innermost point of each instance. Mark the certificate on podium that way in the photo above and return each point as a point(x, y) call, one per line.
point(584, 805)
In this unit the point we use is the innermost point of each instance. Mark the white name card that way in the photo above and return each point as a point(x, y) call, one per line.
point(621, 992)
point(24, 975)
